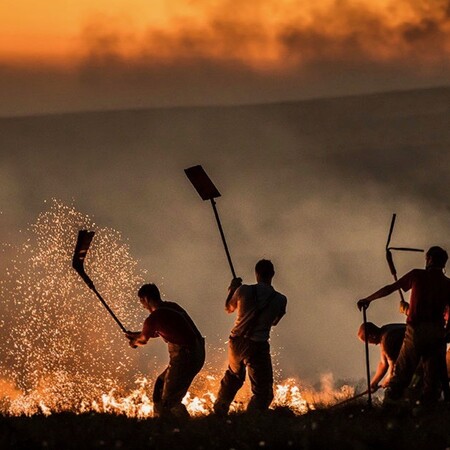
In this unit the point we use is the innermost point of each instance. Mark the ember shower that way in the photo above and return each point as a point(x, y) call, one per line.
point(54, 333)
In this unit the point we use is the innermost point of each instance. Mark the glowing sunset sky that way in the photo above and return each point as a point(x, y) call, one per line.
point(323, 47)
point(51, 28)
point(256, 30)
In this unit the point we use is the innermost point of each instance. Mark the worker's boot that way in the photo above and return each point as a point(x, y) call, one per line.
point(221, 408)
point(179, 411)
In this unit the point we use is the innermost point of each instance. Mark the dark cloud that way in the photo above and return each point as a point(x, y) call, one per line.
point(358, 33)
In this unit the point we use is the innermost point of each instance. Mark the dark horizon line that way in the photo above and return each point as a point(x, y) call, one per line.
point(316, 99)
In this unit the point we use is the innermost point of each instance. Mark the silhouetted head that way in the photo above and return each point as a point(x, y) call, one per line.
point(373, 333)
point(436, 257)
point(264, 271)
point(149, 296)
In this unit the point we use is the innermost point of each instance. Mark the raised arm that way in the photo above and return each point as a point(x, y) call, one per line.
point(231, 301)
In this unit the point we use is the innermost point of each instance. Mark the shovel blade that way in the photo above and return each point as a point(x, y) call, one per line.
point(391, 229)
point(390, 262)
point(81, 248)
point(202, 183)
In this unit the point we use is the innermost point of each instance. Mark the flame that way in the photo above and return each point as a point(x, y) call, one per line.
point(50, 398)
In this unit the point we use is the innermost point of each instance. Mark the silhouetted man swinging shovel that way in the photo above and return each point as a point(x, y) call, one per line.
point(186, 350)
point(259, 307)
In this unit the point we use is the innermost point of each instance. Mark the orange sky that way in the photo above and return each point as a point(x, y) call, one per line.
point(53, 27)
point(258, 31)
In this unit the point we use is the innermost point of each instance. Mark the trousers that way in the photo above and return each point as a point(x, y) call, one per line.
point(245, 355)
point(185, 362)
point(426, 343)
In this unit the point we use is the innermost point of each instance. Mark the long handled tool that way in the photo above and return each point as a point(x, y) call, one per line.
point(81, 248)
point(403, 304)
point(207, 191)
point(366, 346)
point(348, 400)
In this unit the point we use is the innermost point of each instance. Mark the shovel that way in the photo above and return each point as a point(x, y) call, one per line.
point(81, 248)
point(348, 400)
point(390, 260)
point(366, 347)
point(207, 191)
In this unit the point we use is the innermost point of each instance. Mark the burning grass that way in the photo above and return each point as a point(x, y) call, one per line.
point(64, 393)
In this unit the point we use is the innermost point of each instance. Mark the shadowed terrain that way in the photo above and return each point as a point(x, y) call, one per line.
point(349, 428)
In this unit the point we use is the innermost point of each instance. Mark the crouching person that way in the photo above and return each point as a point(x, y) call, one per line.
point(390, 339)
point(186, 350)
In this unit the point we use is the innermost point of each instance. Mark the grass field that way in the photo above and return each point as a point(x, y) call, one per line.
point(352, 427)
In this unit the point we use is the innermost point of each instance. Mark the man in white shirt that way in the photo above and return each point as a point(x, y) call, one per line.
point(259, 307)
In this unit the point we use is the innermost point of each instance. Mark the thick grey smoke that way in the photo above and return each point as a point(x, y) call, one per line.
point(310, 185)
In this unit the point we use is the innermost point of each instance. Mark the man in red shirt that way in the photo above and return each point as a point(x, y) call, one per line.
point(425, 325)
point(186, 350)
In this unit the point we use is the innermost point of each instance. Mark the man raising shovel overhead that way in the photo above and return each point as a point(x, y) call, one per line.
point(259, 307)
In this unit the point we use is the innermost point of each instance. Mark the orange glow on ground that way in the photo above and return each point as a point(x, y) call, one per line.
point(62, 393)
